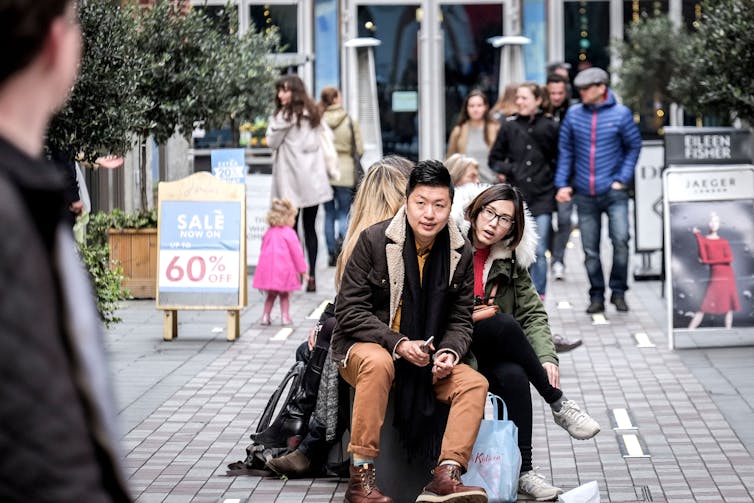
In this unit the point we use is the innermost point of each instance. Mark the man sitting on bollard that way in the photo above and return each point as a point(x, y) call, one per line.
point(406, 290)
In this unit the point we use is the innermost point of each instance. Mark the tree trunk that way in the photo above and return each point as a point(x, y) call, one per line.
point(143, 172)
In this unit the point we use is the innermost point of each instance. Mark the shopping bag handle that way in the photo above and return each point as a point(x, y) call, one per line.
point(493, 398)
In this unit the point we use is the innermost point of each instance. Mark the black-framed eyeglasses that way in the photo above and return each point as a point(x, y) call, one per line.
point(490, 216)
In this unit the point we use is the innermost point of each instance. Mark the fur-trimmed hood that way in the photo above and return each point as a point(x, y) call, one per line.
point(526, 249)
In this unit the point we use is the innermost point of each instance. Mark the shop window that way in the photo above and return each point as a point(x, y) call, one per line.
point(284, 17)
point(586, 29)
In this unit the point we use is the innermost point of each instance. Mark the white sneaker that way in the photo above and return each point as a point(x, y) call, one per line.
point(579, 424)
point(533, 486)
point(558, 271)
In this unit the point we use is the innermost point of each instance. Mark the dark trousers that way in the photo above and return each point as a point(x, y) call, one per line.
point(309, 216)
point(508, 361)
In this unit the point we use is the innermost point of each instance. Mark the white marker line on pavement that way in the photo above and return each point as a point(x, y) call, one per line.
point(564, 304)
point(622, 420)
point(642, 340)
point(314, 315)
point(234, 500)
point(633, 447)
point(599, 319)
point(282, 334)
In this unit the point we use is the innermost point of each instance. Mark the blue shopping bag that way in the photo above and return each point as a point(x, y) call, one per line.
point(495, 460)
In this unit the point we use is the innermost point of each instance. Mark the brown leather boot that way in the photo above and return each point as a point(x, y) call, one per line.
point(293, 464)
point(446, 485)
point(362, 487)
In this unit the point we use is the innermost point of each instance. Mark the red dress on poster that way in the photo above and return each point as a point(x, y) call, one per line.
point(721, 296)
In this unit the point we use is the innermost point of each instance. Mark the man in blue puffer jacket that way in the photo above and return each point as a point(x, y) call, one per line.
point(598, 149)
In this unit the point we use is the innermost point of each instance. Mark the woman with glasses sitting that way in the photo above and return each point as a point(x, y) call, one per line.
point(514, 347)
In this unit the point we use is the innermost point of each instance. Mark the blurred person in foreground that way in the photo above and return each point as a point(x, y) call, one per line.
point(57, 436)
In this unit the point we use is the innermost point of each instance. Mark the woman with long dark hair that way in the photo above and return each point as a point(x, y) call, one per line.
point(299, 173)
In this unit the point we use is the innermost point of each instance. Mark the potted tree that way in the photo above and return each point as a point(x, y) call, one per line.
point(98, 120)
point(720, 82)
point(649, 57)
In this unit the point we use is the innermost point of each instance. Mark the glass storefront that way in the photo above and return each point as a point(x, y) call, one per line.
point(470, 61)
point(586, 29)
point(284, 17)
point(396, 26)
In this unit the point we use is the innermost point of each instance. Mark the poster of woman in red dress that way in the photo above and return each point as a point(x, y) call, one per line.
point(712, 265)
point(721, 296)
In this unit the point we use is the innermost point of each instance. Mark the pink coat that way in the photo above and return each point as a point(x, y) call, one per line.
point(281, 260)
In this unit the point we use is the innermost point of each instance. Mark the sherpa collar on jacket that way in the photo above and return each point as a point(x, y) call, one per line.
point(526, 249)
point(396, 234)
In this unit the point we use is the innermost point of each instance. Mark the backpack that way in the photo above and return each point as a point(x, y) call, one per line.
point(257, 455)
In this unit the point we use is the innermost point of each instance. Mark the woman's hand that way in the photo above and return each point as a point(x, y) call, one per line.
point(312, 338)
point(553, 374)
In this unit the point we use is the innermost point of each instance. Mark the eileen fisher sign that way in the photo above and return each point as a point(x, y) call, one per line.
point(686, 145)
point(707, 146)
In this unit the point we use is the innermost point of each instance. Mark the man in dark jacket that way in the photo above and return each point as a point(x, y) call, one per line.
point(598, 149)
point(57, 438)
point(406, 290)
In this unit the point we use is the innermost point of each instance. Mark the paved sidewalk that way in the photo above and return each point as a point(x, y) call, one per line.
point(187, 407)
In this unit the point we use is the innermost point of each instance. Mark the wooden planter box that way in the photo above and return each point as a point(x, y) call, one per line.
point(135, 250)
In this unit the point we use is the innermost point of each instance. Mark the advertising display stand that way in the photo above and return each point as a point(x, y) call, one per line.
point(708, 222)
point(202, 249)
point(648, 210)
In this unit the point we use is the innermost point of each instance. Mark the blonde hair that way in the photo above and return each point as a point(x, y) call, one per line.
point(380, 195)
point(280, 211)
point(506, 103)
point(457, 165)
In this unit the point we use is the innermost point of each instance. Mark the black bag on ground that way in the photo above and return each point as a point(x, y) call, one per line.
point(273, 438)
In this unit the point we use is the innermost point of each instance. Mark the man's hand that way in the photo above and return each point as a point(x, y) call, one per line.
point(564, 194)
point(443, 365)
point(617, 186)
point(553, 374)
point(501, 178)
point(413, 352)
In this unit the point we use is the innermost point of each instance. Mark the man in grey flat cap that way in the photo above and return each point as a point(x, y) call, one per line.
point(598, 149)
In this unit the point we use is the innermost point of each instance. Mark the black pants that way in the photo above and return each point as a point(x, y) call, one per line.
point(508, 361)
point(311, 242)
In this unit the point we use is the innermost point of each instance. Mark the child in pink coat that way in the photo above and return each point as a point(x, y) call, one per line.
point(281, 267)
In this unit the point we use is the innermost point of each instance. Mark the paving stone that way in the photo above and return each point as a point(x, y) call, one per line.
point(187, 406)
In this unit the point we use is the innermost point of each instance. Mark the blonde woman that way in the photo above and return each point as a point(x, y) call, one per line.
point(463, 169)
point(379, 197)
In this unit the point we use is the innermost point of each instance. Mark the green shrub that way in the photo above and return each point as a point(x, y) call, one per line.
point(95, 252)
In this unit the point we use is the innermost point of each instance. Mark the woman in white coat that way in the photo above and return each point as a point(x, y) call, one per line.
point(298, 163)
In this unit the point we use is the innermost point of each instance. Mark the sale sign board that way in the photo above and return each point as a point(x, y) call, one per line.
point(229, 164)
point(202, 256)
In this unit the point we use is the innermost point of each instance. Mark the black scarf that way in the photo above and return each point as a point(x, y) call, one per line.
point(423, 314)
